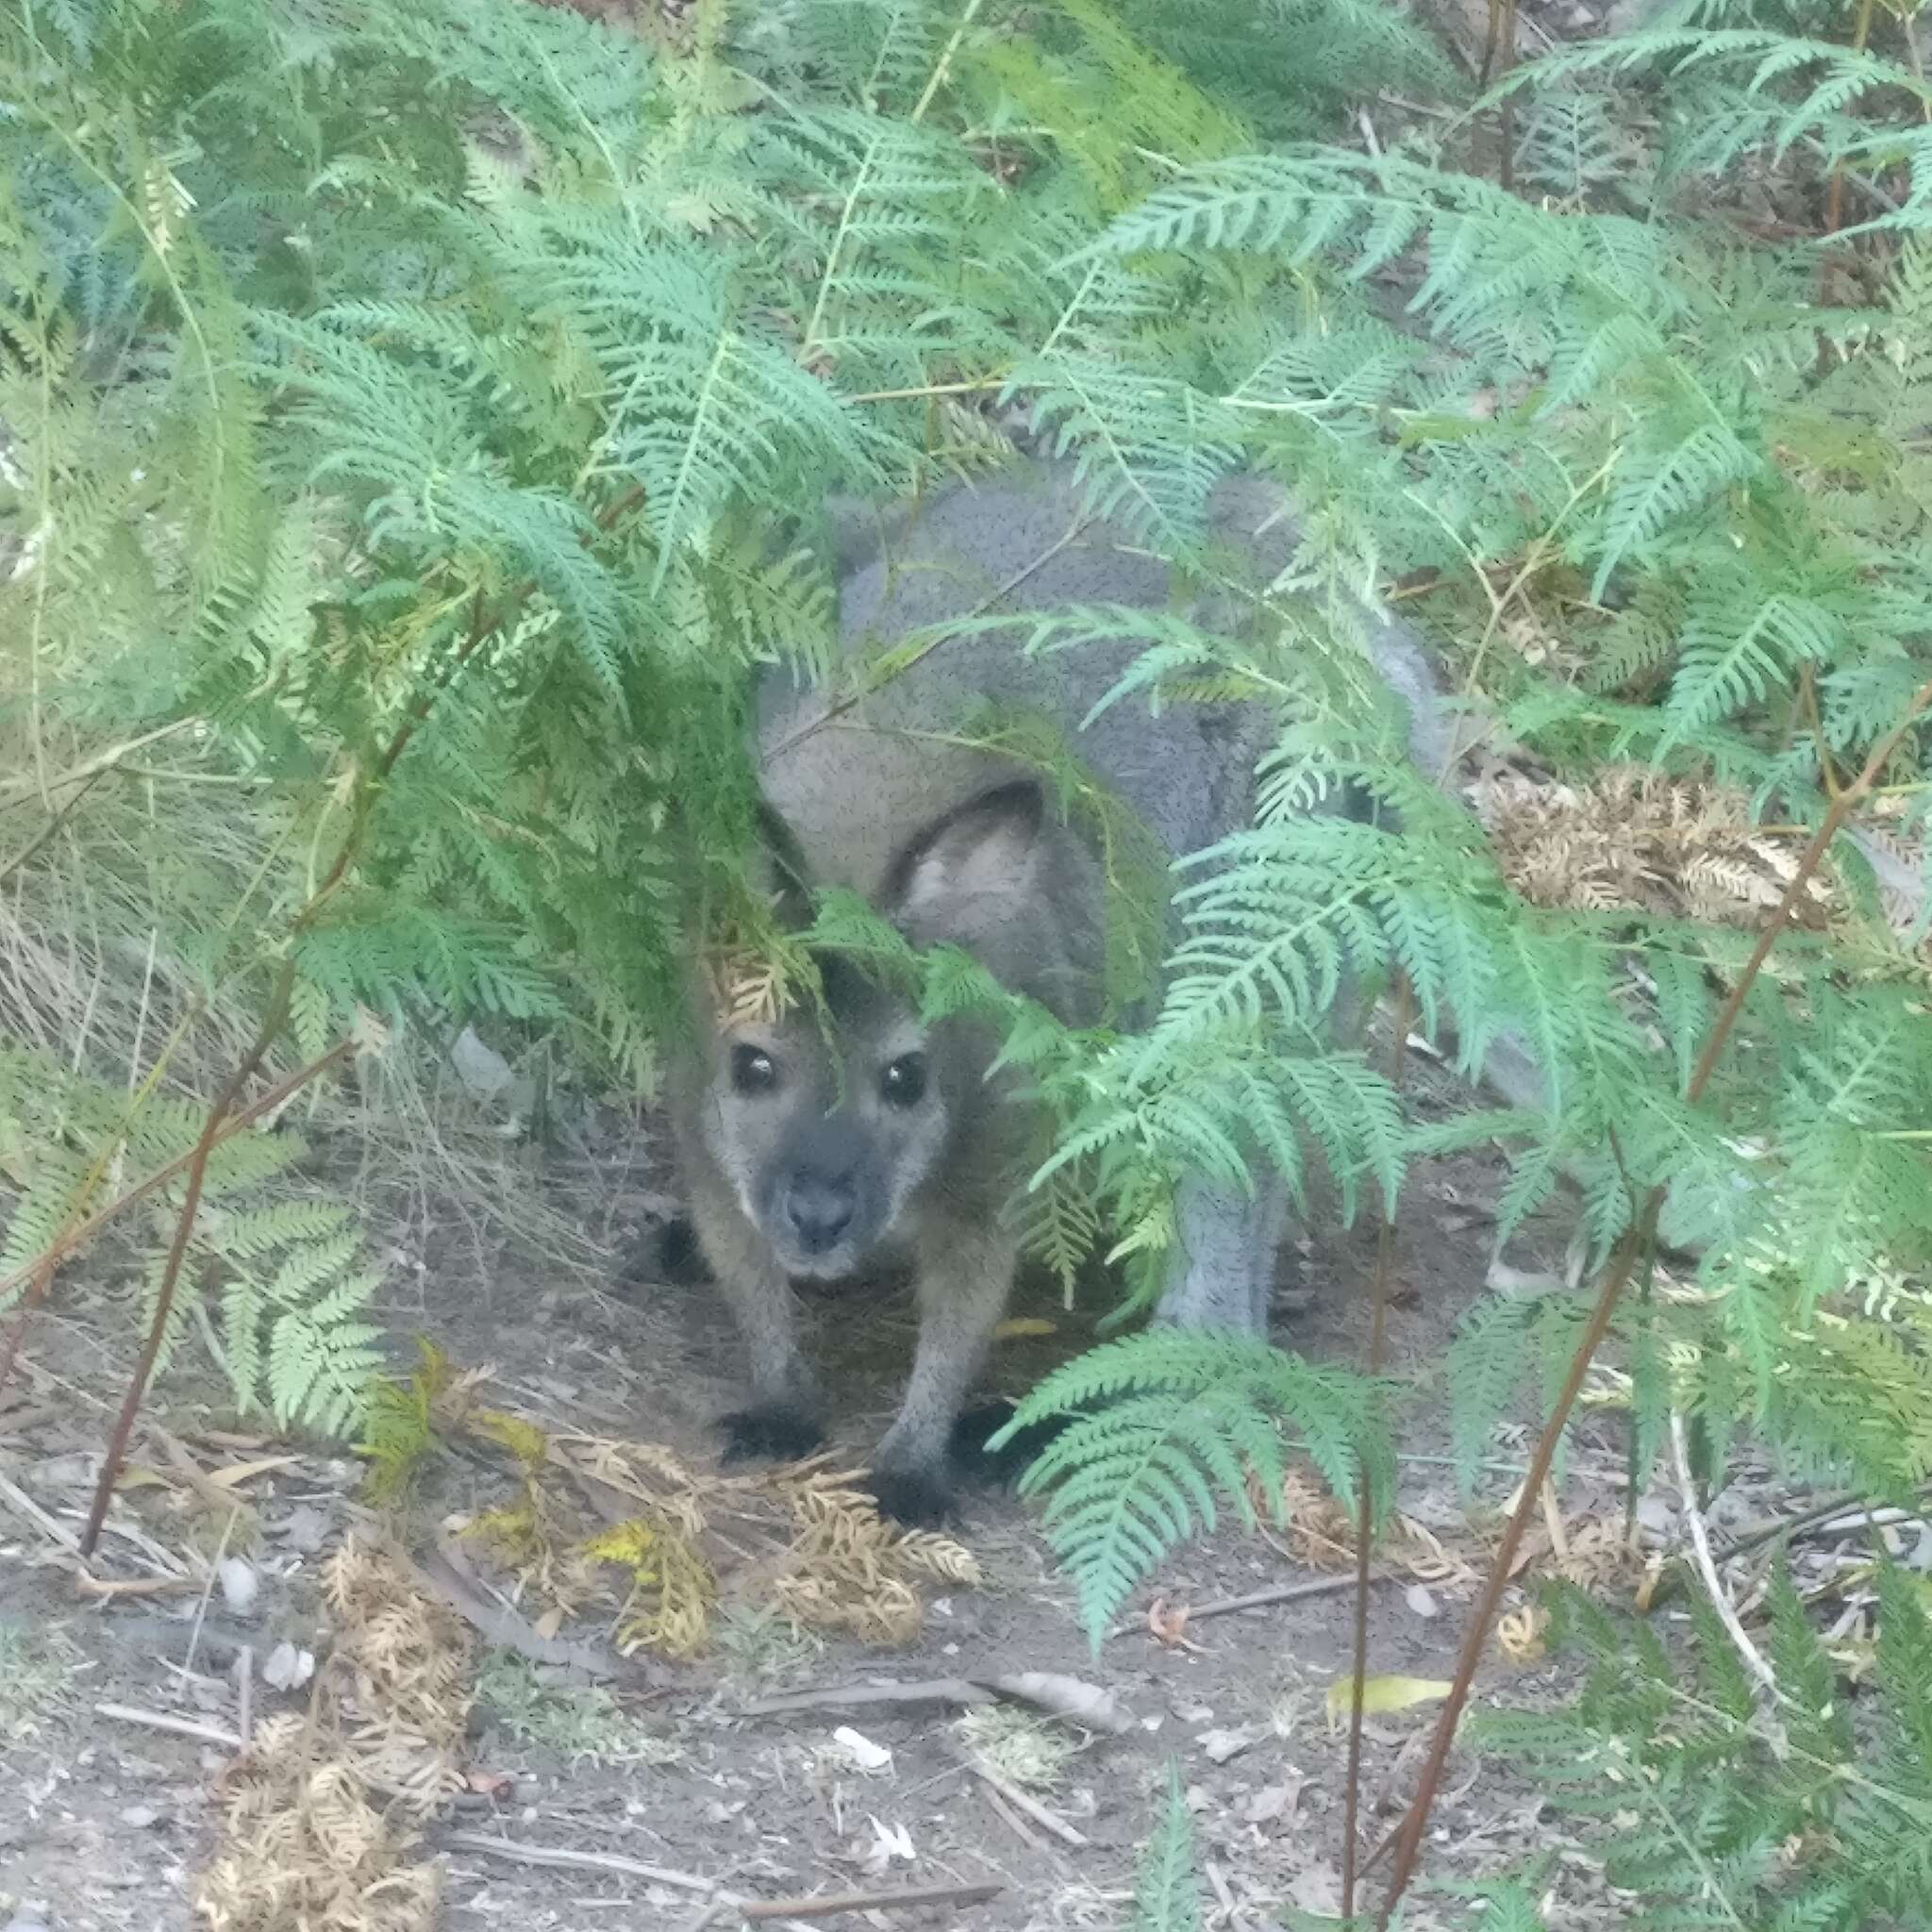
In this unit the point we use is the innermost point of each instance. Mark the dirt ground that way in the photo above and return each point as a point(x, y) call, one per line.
point(110, 1821)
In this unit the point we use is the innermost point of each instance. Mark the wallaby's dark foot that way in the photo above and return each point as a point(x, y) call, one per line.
point(680, 1259)
point(666, 1253)
point(774, 1434)
point(1005, 1465)
point(915, 1498)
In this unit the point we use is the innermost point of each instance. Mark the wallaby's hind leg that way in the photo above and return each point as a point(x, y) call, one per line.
point(1222, 1272)
point(965, 1279)
point(785, 1416)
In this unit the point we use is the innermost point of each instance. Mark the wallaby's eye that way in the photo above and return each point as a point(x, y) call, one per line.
point(753, 1071)
point(903, 1083)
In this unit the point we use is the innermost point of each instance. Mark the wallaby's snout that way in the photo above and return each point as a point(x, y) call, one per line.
point(819, 1208)
point(828, 1198)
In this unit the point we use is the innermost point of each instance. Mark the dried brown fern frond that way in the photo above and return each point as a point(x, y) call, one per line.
point(1322, 1534)
point(401, 1666)
point(648, 1473)
point(671, 1591)
point(847, 1569)
point(635, 1530)
point(303, 1844)
point(318, 1815)
point(540, 1544)
point(1638, 839)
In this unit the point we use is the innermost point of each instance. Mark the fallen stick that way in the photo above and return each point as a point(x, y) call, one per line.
point(440, 1573)
point(178, 1726)
point(558, 1857)
point(106, 1589)
point(837, 1696)
point(1721, 1604)
point(828, 1904)
point(38, 1517)
point(1021, 1801)
point(1014, 1822)
point(722, 1903)
point(1259, 1599)
point(1072, 1698)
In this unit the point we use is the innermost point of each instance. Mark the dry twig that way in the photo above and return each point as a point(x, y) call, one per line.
point(558, 1858)
point(1713, 1585)
point(830, 1905)
point(722, 1903)
point(1259, 1599)
point(840, 1696)
point(175, 1726)
point(1021, 1801)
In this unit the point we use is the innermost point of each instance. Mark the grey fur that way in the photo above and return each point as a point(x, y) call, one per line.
point(925, 831)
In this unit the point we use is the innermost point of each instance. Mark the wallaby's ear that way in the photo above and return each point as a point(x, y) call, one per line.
point(970, 871)
point(778, 867)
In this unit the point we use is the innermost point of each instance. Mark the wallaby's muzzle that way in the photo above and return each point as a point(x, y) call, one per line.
point(819, 1210)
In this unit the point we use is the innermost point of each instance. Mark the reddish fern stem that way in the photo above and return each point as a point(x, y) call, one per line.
point(177, 1251)
point(1633, 1244)
point(1385, 1261)
point(39, 1273)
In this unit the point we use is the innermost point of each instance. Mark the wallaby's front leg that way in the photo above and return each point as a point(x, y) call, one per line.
point(1221, 1274)
point(965, 1278)
point(785, 1416)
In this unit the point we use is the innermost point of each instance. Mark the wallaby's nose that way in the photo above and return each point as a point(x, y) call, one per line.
point(819, 1211)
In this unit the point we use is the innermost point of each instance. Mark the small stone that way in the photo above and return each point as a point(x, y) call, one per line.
point(1219, 1747)
point(288, 1669)
point(1317, 1888)
point(304, 1530)
point(239, 1585)
point(139, 1817)
point(861, 1750)
point(479, 1066)
point(1421, 1601)
point(1272, 1804)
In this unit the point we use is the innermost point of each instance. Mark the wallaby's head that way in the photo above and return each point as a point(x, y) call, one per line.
point(826, 1123)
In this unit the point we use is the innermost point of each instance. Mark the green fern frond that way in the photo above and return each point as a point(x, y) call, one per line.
point(1167, 1894)
point(1159, 1424)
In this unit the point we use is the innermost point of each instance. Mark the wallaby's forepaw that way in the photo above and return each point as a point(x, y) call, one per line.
point(680, 1259)
point(774, 1434)
point(915, 1498)
point(1009, 1463)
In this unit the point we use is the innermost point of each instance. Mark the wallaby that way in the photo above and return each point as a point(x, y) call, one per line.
point(808, 1148)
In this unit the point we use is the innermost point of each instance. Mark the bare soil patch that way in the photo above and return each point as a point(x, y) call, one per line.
point(114, 1822)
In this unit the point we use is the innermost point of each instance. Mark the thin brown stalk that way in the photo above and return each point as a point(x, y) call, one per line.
point(1807, 699)
point(1835, 208)
point(1841, 809)
point(1385, 1261)
point(39, 1273)
point(178, 1250)
point(1634, 1243)
point(56, 818)
point(1505, 121)
point(1408, 1839)
point(837, 709)
point(1491, 38)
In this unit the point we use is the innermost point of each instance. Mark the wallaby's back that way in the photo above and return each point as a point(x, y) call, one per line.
point(851, 786)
